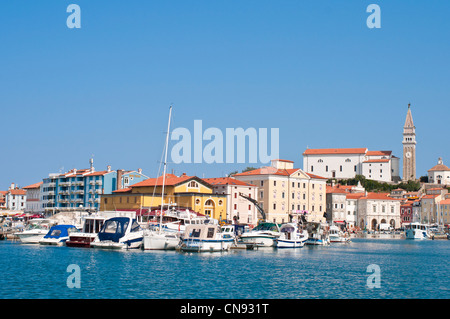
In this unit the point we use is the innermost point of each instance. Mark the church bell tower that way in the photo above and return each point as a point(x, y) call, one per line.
point(409, 148)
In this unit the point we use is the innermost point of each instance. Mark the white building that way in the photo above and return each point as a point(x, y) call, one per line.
point(377, 208)
point(16, 198)
point(345, 163)
point(239, 209)
point(33, 202)
point(439, 174)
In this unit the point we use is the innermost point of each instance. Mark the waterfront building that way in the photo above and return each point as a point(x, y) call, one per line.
point(409, 147)
point(336, 197)
point(439, 174)
point(284, 190)
point(377, 208)
point(444, 212)
point(429, 204)
point(351, 217)
point(33, 203)
point(406, 213)
point(238, 209)
point(15, 198)
point(182, 192)
point(82, 188)
point(3, 200)
point(345, 163)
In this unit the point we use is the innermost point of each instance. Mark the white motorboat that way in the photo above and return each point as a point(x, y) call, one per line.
point(337, 236)
point(291, 236)
point(263, 235)
point(91, 227)
point(204, 238)
point(417, 231)
point(35, 231)
point(58, 234)
point(119, 233)
point(317, 234)
point(161, 240)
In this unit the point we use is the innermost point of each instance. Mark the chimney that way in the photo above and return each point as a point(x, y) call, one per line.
point(108, 168)
point(119, 179)
point(139, 170)
point(12, 186)
point(91, 165)
point(184, 174)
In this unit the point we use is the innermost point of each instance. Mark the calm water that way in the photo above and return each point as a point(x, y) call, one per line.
point(409, 269)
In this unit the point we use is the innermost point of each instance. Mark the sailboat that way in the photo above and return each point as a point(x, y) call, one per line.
point(160, 239)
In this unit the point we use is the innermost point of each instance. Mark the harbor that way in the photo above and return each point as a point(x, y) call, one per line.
point(334, 271)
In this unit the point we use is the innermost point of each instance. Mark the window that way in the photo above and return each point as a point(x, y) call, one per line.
point(235, 206)
point(193, 184)
point(326, 168)
point(282, 194)
point(355, 168)
point(262, 183)
point(374, 208)
point(261, 194)
point(312, 168)
point(293, 195)
point(274, 183)
point(235, 195)
point(209, 202)
point(274, 206)
point(220, 202)
point(340, 168)
point(249, 207)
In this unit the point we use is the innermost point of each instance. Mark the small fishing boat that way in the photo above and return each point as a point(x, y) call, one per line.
point(317, 234)
point(204, 238)
point(417, 231)
point(291, 236)
point(34, 231)
point(263, 235)
point(58, 234)
point(91, 227)
point(119, 233)
point(337, 236)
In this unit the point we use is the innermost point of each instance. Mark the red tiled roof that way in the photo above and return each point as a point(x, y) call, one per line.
point(171, 180)
point(226, 181)
point(377, 161)
point(445, 202)
point(32, 186)
point(335, 190)
point(282, 160)
point(335, 151)
point(439, 167)
point(379, 196)
point(17, 192)
point(123, 190)
point(378, 153)
point(269, 170)
point(355, 195)
point(429, 196)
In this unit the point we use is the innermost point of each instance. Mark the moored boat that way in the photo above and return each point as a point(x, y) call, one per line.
point(263, 235)
point(34, 231)
point(317, 234)
point(417, 230)
point(204, 238)
point(91, 227)
point(337, 236)
point(291, 236)
point(58, 235)
point(119, 233)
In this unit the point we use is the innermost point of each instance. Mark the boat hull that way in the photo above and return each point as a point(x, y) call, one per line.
point(259, 240)
point(416, 234)
point(160, 242)
point(127, 244)
point(193, 245)
point(80, 240)
point(53, 241)
point(290, 243)
point(30, 238)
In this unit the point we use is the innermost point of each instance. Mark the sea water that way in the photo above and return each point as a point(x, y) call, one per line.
point(406, 269)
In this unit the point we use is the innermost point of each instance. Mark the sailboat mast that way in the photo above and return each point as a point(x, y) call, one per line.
point(164, 170)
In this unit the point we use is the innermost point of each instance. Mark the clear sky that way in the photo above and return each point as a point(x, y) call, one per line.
point(313, 69)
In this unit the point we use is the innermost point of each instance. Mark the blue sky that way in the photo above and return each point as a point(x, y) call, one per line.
point(313, 69)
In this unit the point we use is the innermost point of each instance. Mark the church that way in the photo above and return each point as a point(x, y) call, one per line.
point(409, 148)
point(382, 166)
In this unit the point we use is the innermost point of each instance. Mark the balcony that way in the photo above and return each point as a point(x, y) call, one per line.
point(64, 184)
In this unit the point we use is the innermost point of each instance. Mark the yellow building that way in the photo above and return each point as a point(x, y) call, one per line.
point(183, 192)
